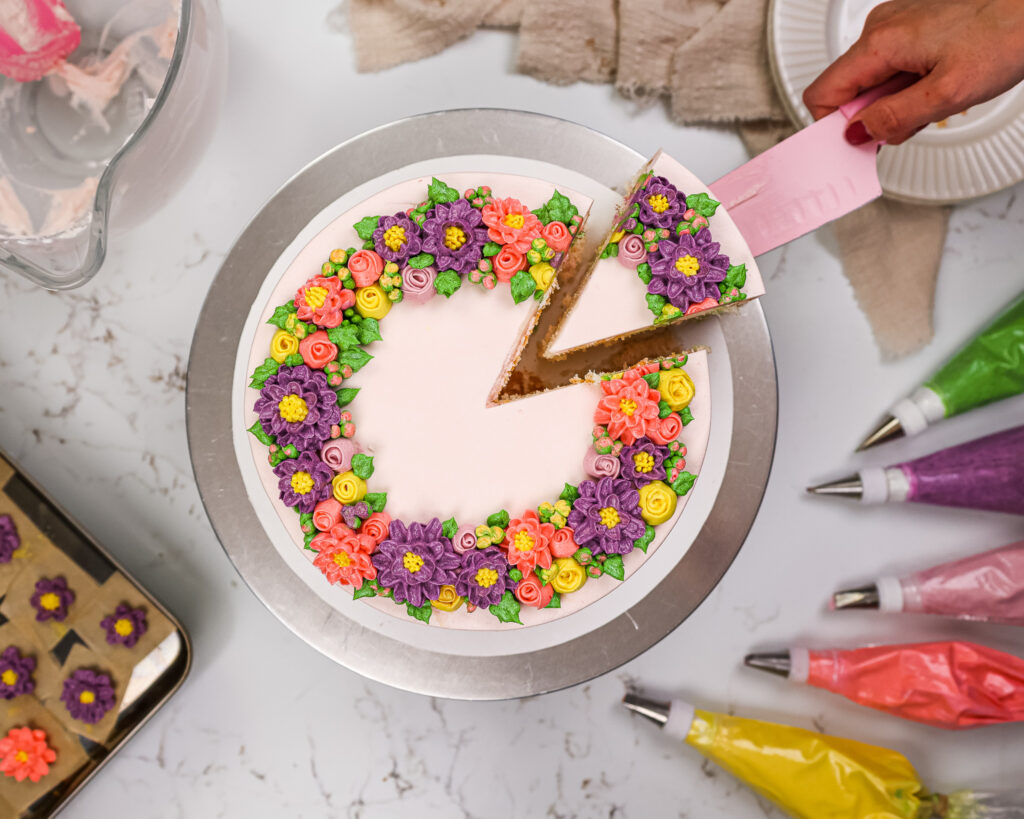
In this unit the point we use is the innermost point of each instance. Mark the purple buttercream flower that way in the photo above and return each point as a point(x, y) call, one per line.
point(483, 578)
point(298, 406)
point(415, 561)
point(455, 235)
point(661, 203)
point(16, 674)
point(88, 695)
point(51, 599)
point(397, 238)
point(304, 481)
point(687, 271)
point(643, 461)
point(125, 626)
point(9, 538)
point(606, 516)
point(353, 512)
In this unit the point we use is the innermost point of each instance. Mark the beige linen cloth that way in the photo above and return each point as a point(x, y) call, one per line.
point(709, 57)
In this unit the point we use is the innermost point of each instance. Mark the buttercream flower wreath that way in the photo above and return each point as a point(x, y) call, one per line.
point(635, 460)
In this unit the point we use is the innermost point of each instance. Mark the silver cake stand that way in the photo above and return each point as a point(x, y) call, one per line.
point(406, 666)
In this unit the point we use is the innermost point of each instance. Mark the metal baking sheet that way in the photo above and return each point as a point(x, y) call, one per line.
point(751, 438)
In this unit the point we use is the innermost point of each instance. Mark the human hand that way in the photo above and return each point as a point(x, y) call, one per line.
point(965, 51)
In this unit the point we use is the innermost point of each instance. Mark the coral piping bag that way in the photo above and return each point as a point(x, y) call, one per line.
point(987, 587)
point(946, 684)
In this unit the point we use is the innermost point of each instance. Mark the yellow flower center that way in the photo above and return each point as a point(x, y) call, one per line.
point(394, 237)
point(22, 757)
point(688, 265)
point(412, 561)
point(9, 677)
point(316, 296)
point(123, 626)
point(658, 203)
point(342, 560)
point(610, 517)
point(524, 541)
point(454, 237)
point(50, 601)
point(643, 462)
point(486, 577)
point(515, 220)
point(87, 698)
point(302, 483)
point(628, 406)
point(293, 409)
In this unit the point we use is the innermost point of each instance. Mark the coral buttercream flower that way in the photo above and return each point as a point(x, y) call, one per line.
point(507, 263)
point(415, 561)
point(568, 576)
point(10, 541)
point(51, 599)
point(606, 516)
point(88, 695)
point(24, 754)
point(16, 673)
point(323, 300)
point(327, 514)
point(629, 407)
point(125, 626)
point(372, 302)
point(563, 543)
point(701, 306)
point(557, 236)
point(282, 345)
point(298, 406)
point(454, 234)
point(376, 526)
point(448, 599)
point(510, 223)
point(531, 592)
point(529, 542)
point(418, 283)
point(317, 350)
point(643, 461)
point(365, 267)
point(303, 481)
point(676, 388)
point(483, 577)
point(657, 502)
point(666, 430)
point(344, 556)
point(688, 270)
point(348, 488)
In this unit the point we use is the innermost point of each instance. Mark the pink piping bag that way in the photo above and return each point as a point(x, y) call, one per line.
point(948, 684)
point(988, 587)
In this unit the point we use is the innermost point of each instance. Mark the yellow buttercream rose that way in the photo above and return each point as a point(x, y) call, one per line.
point(543, 274)
point(348, 488)
point(282, 345)
point(676, 388)
point(372, 302)
point(657, 502)
point(447, 600)
point(569, 575)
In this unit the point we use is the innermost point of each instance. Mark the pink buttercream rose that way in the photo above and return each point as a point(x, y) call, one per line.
point(376, 527)
point(632, 251)
point(600, 466)
point(531, 592)
point(317, 350)
point(510, 223)
point(327, 514)
point(507, 263)
point(365, 267)
point(337, 453)
point(557, 236)
point(418, 283)
point(666, 430)
point(563, 543)
point(700, 306)
point(464, 540)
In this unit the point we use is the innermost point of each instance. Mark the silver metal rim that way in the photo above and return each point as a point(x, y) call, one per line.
point(209, 419)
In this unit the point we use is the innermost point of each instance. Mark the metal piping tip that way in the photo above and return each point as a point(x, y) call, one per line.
point(865, 597)
point(774, 662)
point(851, 487)
point(889, 430)
point(656, 712)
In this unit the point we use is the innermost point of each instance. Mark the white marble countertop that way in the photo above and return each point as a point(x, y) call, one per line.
point(93, 406)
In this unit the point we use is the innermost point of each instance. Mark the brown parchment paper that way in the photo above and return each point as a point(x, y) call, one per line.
point(82, 657)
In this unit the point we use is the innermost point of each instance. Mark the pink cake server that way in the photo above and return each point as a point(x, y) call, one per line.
point(35, 36)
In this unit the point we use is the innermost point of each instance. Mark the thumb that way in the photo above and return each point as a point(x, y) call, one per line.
point(897, 117)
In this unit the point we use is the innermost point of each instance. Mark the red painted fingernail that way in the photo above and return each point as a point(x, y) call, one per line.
point(857, 134)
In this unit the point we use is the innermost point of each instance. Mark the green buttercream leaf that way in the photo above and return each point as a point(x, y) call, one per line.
point(345, 336)
point(420, 612)
point(369, 331)
point(376, 500)
point(294, 360)
point(643, 542)
point(449, 528)
point(569, 493)
point(306, 520)
point(280, 316)
point(643, 270)
point(653, 379)
point(508, 609)
point(261, 434)
point(368, 589)
point(610, 249)
point(557, 209)
point(499, 519)
point(613, 567)
point(683, 483)
point(686, 416)
point(492, 249)
point(366, 227)
point(420, 261)
point(263, 372)
point(515, 575)
point(556, 601)
point(538, 294)
point(368, 245)
point(307, 539)
point(447, 282)
point(655, 303)
point(736, 277)
point(362, 465)
point(439, 192)
point(347, 395)
point(354, 358)
point(664, 410)
point(522, 286)
point(702, 203)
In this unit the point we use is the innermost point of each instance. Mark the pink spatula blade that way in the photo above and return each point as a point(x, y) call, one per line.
point(35, 35)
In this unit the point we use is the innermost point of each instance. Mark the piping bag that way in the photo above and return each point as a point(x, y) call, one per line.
point(987, 473)
point(816, 776)
point(987, 587)
point(988, 368)
point(947, 684)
